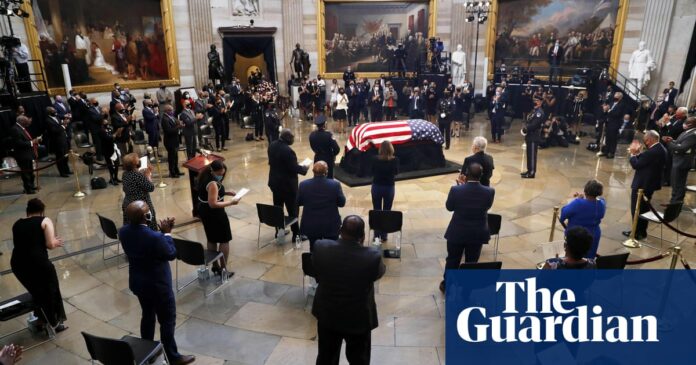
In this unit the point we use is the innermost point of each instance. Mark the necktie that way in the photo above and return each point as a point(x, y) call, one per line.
point(34, 146)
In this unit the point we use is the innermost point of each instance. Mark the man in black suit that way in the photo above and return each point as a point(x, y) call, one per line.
point(648, 167)
point(416, 105)
point(121, 129)
point(479, 156)
point(150, 277)
point(93, 122)
point(555, 57)
point(614, 119)
point(671, 96)
point(353, 93)
point(25, 149)
point(324, 145)
point(376, 102)
point(468, 230)
point(682, 151)
point(282, 177)
point(171, 128)
point(188, 119)
point(321, 197)
point(532, 137)
point(344, 304)
point(58, 139)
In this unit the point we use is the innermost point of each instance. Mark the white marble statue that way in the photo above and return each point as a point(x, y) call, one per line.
point(458, 66)
point(639, 66)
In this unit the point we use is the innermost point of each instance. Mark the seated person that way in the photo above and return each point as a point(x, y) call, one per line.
point(578, 241)
point(555, 133)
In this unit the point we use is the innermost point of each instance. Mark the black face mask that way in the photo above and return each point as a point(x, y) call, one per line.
point(96, 104)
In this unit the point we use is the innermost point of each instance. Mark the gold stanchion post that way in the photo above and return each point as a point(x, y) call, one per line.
point(78, 192)
point(161, 184)
point(675, 257)
point(632, 242)
point(35, 165)
point(553, 223)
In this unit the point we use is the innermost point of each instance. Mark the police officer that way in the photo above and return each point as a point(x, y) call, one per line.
point(272, 122)
point(533, 137)
point(445, 110)
point(323, 144)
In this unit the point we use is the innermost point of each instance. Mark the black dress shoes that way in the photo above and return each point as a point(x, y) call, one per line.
point(524, 173)
point(64, 175)
point(184, 359)
point(639, 236)
point(610, 156)
point(528, 175)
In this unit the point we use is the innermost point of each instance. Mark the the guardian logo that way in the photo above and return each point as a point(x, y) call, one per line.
point(550, 317)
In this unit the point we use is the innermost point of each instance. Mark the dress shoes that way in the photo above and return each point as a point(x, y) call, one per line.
point(180, 173)
point(64, 175)
point(528, 175)
point(184, 359)
point(173, 176)
point(600, 154)
point(524, 173)
point(610, 156)
point(30, 191)
point(638, 235)
point(442, 287)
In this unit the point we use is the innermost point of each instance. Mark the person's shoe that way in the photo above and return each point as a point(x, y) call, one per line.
point(442, 287)
point(528, 175)
point(524, 173)
point(639, 236)
point(112, 182)
point(118, 181)
point(224, 148)
point(184, 359)
point(216, 269)
point(64, 175)
point(173, 176)
point(70, 172)
point(626, 233)
point(30, 191)
point(60, 328)
point(610, 156)
point(600, 154)
point(261, 138)
point(180, 173)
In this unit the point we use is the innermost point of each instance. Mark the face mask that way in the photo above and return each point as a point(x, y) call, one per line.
point(218, 178)
point(96, 103)
point(148, 217)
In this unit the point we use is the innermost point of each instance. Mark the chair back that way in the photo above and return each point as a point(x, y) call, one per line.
point(307, 267)
point(672, 211)
point(108, 227)
point(139, 137)
point(108, 351)
point(494, 222)
point(81, 139)
point(271, 215)
point(387, 221)
point(615, 262)
point(189, 252)
point(495, 265)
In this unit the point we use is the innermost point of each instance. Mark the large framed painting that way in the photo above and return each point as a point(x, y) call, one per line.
point(589, 34)
point(131, 42)
point(364, 34)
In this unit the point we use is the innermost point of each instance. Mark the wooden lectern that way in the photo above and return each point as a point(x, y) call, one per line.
point(195, 166)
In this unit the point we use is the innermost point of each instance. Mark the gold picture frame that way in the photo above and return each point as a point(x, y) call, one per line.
point(169, 43)
point(617, 42)
point(321, 32)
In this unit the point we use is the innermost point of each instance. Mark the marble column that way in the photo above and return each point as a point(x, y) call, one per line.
point(293, 33)
point(655, 32)
point(201, 38)
point(56, 20)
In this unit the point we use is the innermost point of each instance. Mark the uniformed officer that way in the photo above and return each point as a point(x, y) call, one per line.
point(445, 109)
point(533, 137)
point(272, 122)
point(323, 144)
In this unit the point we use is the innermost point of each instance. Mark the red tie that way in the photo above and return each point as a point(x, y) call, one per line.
point(33, 145)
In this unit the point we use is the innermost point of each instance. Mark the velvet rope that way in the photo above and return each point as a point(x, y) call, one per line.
point(657, 215)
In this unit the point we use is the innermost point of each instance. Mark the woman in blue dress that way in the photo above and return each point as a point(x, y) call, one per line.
point(587, 210)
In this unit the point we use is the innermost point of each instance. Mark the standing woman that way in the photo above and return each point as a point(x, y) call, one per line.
point(211, 211)
point(32, 236)
point(587, 211)
point(384, 169)
point(341, 110)
point(137, 185)
point(257, 115)
point(431, 103)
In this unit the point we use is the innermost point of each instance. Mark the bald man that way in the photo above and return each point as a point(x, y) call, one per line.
point(150, 277)
point(321, 197)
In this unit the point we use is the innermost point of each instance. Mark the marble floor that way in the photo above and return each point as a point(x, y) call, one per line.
point(262, 315)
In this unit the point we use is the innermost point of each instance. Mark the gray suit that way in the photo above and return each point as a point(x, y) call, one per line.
point(682, 150)
point(189, 131)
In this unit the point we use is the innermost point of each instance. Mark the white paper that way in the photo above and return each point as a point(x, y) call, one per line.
point(143, 162)
point(14, 302)
point(306, 162)
point(240, 194)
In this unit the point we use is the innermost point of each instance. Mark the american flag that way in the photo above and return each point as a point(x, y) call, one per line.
point(365, 135)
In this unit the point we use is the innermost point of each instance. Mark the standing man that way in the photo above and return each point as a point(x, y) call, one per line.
point(648, 166)
point(391, 102)
point(416, 105)
point(682, 150)
point(614, 121)
point(479, 156)
point(188, 120)
point(353, 103)
point(671, 95)
point(94, 123)
point(171, 128)
point(152, 126)
point(324, 145)
point(150, 278)
point(376, 102)
point(58, 138)
point(445, 110)
point(282, 177)
point(533, 137)
point(164, 96)
point(344, 304)
point(271, 121)
point(348, 76)
point(555, 57)
point(468, 229)
point(321, 198)
point(120, 121)
point(21, 58)
point(25, 151)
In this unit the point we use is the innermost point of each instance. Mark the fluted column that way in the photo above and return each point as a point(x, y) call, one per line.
point(656, 25)
point(292, 32)
point(201, 38)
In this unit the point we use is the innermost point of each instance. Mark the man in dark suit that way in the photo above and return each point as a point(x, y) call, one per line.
point(321, 197)
point(149, 276)
point(324, 145)
point(376, 101)
point(94, 121)
point(682, 151)
point(152, 125)
point(479, 156)
point(532, 138)
point(648, 167)
point(120, 121)
point(416, 105)
point(25, 149)
point(282, 177)
point(344, 304)
point(188, 119)
point(171, 128)
point(671, 96)
point(58, 139)
point(555, 57)
point(61, 108)
point(75, 108)
point(614, 118)
point(348, 76)
point(468, 230)
point(353, 93)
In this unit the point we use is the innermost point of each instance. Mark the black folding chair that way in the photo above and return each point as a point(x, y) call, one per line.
point(108, 227)
point(127, 350)
point(387, 221)
point(494, 222)
point(20, 305)
point(615, 262)
point(670, 214)
point(273, 216)
point(193, 253)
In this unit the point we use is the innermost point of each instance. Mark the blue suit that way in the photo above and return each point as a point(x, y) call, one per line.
point(321, 198)
point(150, 279)
point(152, 126)
point(468, 228)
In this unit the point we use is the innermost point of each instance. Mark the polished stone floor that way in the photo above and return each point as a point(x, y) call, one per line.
point(262, 316)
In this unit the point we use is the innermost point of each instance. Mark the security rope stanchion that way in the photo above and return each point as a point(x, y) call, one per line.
point(35, 166)
point(78, 191)
point(632, 242)
point(675, 257)
point(553, 223)
point(161, 184)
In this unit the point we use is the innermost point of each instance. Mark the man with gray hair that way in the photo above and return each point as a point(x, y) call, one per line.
point(648, 167)
point(479, 156)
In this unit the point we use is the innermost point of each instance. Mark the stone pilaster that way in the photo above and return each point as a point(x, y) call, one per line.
point(293, 33)
point(201, 38)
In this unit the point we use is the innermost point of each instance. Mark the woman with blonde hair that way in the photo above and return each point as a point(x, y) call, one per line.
point(385, 167)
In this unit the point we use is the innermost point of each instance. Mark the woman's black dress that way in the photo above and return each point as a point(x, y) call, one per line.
point(215, 221)
point(137, 187)
point(32, 268)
